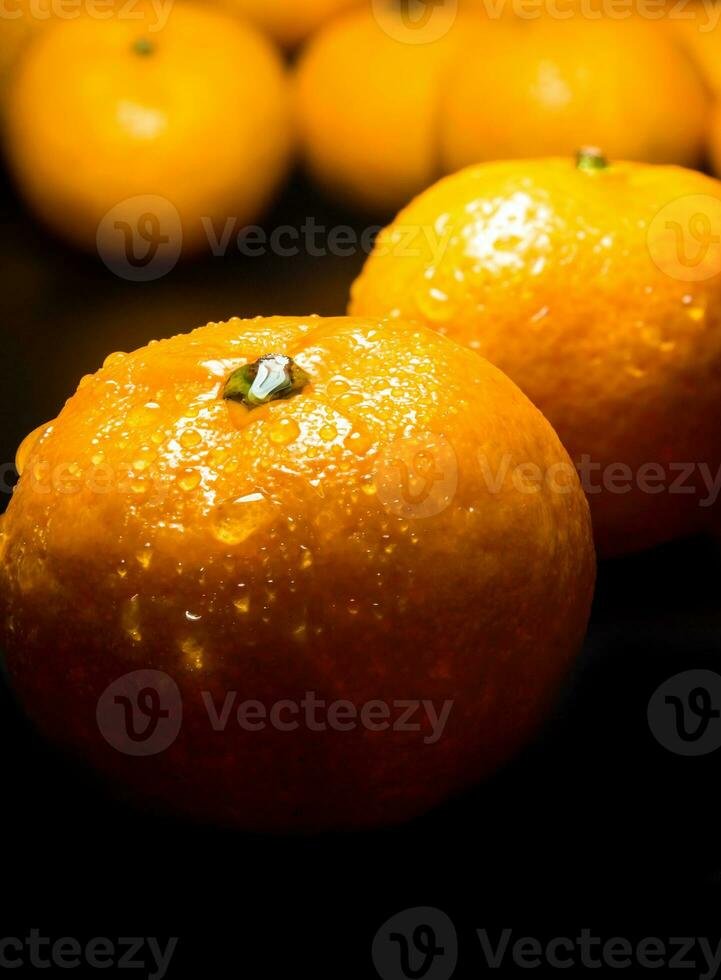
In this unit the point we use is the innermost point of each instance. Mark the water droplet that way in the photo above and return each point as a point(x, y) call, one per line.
point(237, 520)
point(242, 604)
point(192, 617)
point(26, 447)
point(193, 652)
point(284, 432)
point(353, 607)
point(348, 401)
point(114, 358)
point(358, 442)
point(130, 618)
point(190, 438)
point(144, 556)
point(337, 387)
point(300, 633)
point(328, 432)
point(142, 415)
point(306, 559)
point(188, 479)
point(434, 304)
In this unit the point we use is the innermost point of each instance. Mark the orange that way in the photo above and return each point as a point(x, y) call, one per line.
point(697, 27)
point(175, 130)
point(597, 288)
point(397, 523)
point(547, 86)
point(290, 21)
point(16, 28)
point(368, 97)
point(22, 20)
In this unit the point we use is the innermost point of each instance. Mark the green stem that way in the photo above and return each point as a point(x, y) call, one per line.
point(267, 379)
point(143, 46)
point(590, 158)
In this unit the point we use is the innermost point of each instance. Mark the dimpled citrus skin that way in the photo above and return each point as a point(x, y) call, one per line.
point(548, 86)
point(256, 551)
point(199, 116)
point(368, 106)
point(546, 270)
point(289, 21)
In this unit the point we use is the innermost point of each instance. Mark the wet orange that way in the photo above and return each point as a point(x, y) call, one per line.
point(289, 21)
point(598, 290)
point(403, 525)
point(547, 86)
point(188, 124)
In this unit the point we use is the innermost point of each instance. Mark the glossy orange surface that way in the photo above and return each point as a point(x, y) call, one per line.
point(407, 526)
point(598, 292)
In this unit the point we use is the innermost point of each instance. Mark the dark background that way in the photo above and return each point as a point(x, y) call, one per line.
point(597, 825)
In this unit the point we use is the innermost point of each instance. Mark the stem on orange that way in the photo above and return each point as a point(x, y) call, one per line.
point(267, 379)
point(590, 158)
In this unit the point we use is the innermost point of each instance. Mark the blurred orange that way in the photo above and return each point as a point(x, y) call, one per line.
point(367, 98)
point(597, 289)
point(104, 115)
point(550, 85)
point(21, 20)
point(17, 26)
point(699, 32)
point(289, 21)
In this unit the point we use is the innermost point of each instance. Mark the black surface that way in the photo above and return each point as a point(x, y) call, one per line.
point(597, 825)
